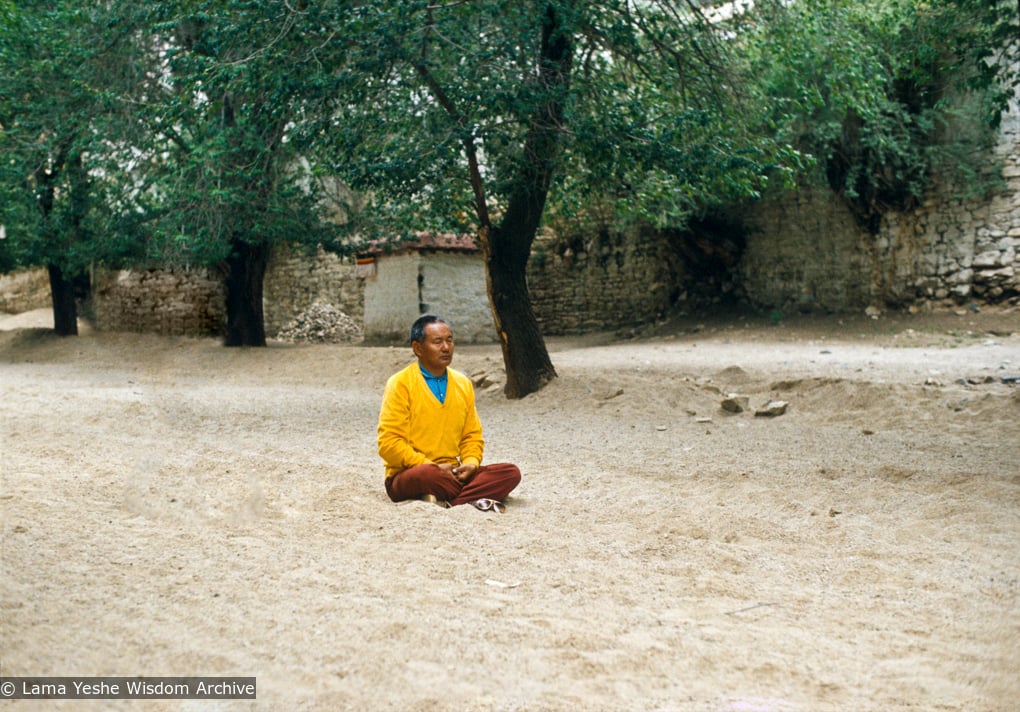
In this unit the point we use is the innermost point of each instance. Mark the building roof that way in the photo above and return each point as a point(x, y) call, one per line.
point(424, 242)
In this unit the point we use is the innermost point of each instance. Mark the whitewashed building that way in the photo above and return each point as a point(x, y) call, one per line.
point(433, 274)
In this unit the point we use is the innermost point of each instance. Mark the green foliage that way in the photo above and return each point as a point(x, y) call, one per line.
point(234, 77)
point(875, 89)
point(423, 84)
point(650, 130)
point(59, 177)
point(175, 131)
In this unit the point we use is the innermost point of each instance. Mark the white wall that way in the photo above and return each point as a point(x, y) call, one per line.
point(449, 285)
point(453, 287)
point(391, 298)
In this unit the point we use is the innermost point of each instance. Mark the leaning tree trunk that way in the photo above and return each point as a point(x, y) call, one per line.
point(65, 309)
point(525, 357)
point(245, 269)
point(507, 246)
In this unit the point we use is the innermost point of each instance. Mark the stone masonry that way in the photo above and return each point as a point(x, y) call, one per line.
point(606, 281)
point(24, 290)
point(296, 279)
point(806, 252)
point(165, 301)
point(965, 250)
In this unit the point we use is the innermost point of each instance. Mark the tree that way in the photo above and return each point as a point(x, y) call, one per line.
point(69, 77)
point(884, 93)
point(235, 77)
point(139, 133)
point(45, 111)
point(464, 116)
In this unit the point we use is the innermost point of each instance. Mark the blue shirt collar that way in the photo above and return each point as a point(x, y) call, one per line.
point(436, 384)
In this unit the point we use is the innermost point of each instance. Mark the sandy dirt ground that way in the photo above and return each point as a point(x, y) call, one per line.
point(172, 507)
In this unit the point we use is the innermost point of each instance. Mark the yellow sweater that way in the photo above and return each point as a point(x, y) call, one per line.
point(415, 428)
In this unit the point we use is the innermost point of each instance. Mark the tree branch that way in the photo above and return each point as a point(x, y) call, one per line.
point(541, 144)
point(467, 137)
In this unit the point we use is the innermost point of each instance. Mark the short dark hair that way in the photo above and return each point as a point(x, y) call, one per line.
point(418, 327)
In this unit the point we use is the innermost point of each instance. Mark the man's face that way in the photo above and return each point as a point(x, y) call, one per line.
point(436, 351)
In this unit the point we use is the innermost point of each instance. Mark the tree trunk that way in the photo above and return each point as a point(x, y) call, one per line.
point(62, 286)
point(65, 309)
point(525, 357)
point(507, 247)
point(245, 269)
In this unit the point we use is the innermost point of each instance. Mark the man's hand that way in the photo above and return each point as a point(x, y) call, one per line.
point(463, 473)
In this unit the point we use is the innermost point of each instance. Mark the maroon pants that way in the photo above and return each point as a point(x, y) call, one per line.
point(489, 482)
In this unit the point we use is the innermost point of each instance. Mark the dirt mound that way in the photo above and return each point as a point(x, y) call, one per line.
point(322, 323)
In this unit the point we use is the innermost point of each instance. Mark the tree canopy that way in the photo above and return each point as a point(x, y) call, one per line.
point(471, 117)
point(884, 93)
point(61, 65)
point(210, 131)
point(232, 80)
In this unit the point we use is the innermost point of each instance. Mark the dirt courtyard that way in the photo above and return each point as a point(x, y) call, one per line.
point(172, 507)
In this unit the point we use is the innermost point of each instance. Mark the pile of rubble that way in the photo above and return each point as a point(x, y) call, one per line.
point(322, 323)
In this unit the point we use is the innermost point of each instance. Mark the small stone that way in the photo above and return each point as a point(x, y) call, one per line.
point(772, 408)
point(481, 380)
point(734, 403)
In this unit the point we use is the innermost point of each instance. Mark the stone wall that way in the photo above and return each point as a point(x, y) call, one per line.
point(296, 279)
point(191, 302)
point(604, 281)
point(24, 290)
point(802, 252)
point(805, 251)
point(959, 249)
point(186, 302)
